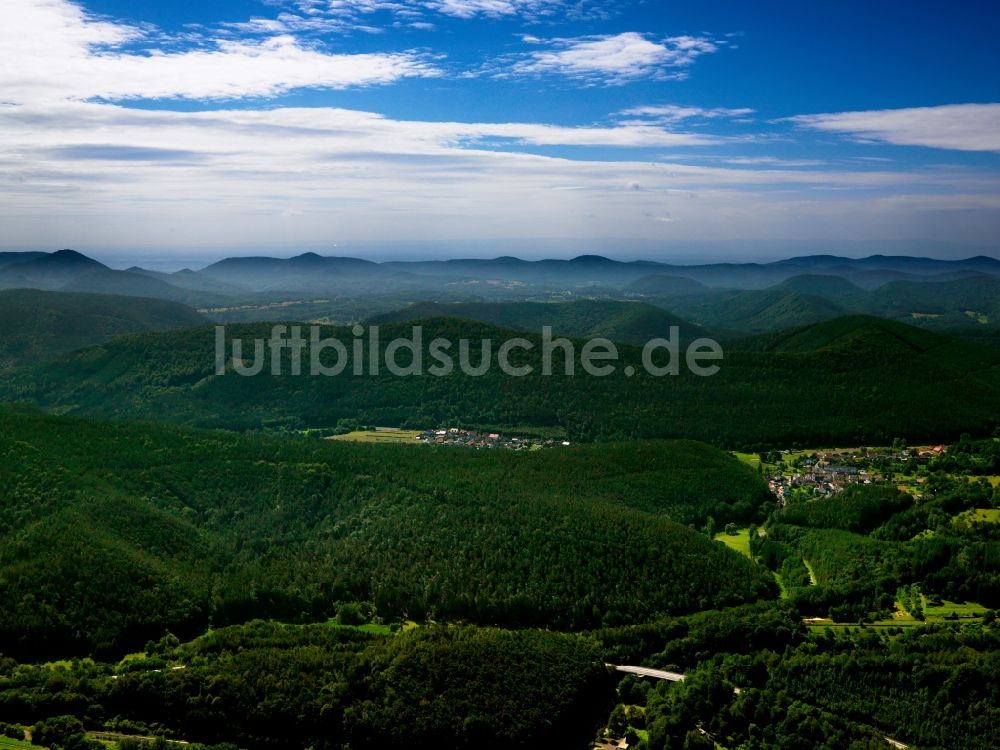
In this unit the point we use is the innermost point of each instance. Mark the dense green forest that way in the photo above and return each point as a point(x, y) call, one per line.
point(899, 541)
point(113, 534)
point(858, 508)
point(265, 685)
point(625, 322)
point(934, 686)
point(265, 588)
point(755, 677)
point(38, 325)
point(750, 311)
point(849, 381)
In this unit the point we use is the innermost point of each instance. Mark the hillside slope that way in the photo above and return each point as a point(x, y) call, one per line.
point(628, 322)
point(869, 388)
point(753, 311)
point(37, 325)
point(110, 534)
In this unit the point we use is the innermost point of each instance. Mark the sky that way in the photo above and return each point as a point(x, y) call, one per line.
point(398, 128)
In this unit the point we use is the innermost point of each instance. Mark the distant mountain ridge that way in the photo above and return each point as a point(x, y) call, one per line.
point(271, 271)
point(739, 297)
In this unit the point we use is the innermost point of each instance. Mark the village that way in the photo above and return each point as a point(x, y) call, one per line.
point(825, 473)
point(473, 439)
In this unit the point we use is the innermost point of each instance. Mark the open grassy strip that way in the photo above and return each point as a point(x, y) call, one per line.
point(379, 436)
point(812, 573)
point(940, 609)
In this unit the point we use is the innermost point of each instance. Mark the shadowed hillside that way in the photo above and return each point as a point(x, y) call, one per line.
point(37, 325)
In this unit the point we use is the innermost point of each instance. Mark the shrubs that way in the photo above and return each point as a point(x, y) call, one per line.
point(11, 731)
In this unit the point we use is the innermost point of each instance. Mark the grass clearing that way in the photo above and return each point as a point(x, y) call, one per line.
point(379, 436)
point(370, 627)
point(7, 743)
point(750, 459)
point(980, 515)
point(740, 541)
point(992, 515)
point(375, 628)
point(781, 585)
point(903, 619)
point(962, 610)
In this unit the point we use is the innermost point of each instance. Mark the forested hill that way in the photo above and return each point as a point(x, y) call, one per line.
point(627, 322)
point(37, 325)
point(874, 385)
point(844, 334)
point(111, 534)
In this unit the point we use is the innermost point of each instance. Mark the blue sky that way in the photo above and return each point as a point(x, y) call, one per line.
point(192, 127)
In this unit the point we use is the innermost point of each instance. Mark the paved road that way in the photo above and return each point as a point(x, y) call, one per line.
point(658, 674)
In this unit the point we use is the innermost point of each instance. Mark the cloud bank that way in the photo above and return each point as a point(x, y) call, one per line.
point(963, 127)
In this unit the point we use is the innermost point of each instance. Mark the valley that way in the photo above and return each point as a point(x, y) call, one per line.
point(499, 375)
point(274, 561)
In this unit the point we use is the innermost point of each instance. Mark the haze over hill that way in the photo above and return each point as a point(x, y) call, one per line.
point(627, 322)
point(739, 297)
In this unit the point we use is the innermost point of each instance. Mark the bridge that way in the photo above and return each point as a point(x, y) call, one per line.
point(657, 674)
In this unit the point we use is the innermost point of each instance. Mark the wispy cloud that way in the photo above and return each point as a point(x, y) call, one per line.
point(493, 8)
point(352, 11)
point(770, 161)
point(224, 175)
point(961, 127)
point(83, 58)
point(676, 112)
point(611, 59)
point(73, 163)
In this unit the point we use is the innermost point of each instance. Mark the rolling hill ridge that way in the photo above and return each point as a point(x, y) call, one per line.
point(773, 391)
point(37, 325)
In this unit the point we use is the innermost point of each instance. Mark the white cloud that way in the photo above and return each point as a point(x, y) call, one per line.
point(51, 50)
point(73, 172)
point(675, 113)
point(962, 127)
point(464, 9)
point(771, 161)
point(613, 59)
point(491, 8)
point(318, 129)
